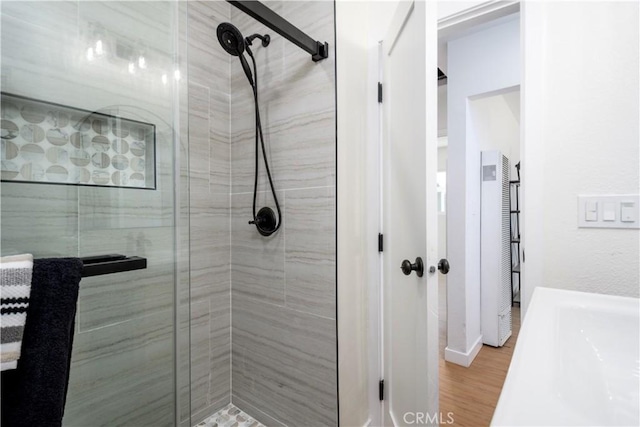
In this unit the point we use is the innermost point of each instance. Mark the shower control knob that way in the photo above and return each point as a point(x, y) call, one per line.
point(443, 266)
point(407, 267)
point(265, 221)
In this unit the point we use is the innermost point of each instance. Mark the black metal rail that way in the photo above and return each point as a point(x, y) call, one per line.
point(286, 29)
point(112, 263)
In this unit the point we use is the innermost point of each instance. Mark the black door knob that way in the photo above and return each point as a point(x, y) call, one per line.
point(407, 267)
point(443, 266)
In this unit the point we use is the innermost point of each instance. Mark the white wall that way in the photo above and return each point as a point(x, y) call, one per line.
point(484, 61)
point(580, 117)
point(495, 122)
point(442, 217)
point(360, 25)
point(442, 110)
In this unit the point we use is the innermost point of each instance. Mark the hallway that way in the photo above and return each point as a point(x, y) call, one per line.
point(471, 394)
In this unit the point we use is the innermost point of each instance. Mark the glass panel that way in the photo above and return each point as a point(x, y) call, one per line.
point(116, 59)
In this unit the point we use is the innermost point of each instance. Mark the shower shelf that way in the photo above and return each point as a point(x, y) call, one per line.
point(112, 263)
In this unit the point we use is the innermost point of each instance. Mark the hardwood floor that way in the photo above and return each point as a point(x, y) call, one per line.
point(471, 394)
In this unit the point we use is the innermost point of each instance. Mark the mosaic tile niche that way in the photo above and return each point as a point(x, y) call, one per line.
point(49, 143)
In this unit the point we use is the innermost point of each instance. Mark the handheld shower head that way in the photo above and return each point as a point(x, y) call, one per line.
point(232, 41)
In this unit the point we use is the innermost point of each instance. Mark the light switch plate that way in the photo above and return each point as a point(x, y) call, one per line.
point(609, 211)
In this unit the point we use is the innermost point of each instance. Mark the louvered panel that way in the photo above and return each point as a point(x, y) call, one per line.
point(504, 296)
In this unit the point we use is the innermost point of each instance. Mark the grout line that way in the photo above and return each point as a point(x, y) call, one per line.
point(209, 137)
point(230, 226)
point(194, 83)
point(154, 313)
point(257, 300)
point(284, 189)
point(284, 248)
point(210, 368)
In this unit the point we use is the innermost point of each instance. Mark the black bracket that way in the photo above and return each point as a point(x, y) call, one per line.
point(322, 52)
point(112, 263)
point(286, 29)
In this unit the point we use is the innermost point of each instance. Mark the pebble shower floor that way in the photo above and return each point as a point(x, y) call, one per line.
point(230, 416)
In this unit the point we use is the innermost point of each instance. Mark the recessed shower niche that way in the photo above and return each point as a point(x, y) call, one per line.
point(49, 143)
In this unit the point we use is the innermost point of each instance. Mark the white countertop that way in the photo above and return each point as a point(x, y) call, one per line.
point(576, 363)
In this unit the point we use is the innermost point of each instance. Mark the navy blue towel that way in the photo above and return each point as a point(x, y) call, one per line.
point(34, 394)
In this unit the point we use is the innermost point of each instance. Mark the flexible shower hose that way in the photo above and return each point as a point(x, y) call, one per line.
point(259, 138)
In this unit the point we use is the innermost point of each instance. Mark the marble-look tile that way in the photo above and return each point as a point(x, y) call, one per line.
point(220, 148)
point(301, 153)
point(43, 229)
point(257, 262)
point(297, 107)
point(283, 360)
point(208, 62)
point(29, 34)
point(199, 139)
point(200, 350)
point(61, 14)
point(183, 353)
point(310, 251)
point(210, 356)
point(114, 298)
point(210, 247)
point(103, 208)
point(123, 374)
point(220, 357)
point(131, 22)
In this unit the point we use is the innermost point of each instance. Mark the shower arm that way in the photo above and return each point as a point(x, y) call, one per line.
point(277, 23)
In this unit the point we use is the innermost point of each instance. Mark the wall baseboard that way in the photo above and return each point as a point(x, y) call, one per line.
point(463, 359)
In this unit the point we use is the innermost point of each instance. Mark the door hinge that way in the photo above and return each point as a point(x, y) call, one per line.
point(379, 92)
point(381, 390)
point(380, 242)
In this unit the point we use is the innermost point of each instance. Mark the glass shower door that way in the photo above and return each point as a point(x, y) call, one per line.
point(93, 88)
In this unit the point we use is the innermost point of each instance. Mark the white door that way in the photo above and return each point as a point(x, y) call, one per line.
point(410, 325)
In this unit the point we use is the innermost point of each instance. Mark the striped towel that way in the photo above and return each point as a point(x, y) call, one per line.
point(15, 289)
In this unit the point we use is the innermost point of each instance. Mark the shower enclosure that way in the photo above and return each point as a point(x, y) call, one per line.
point(127, 129)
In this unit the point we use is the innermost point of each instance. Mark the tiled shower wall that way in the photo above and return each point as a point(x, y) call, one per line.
point(281, 342)
point(284, 363)
point(210, 186)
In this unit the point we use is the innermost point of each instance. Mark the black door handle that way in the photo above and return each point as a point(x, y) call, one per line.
point(443, 266)
point(407, 267)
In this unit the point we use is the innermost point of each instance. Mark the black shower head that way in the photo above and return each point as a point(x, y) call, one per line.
point(231, 39)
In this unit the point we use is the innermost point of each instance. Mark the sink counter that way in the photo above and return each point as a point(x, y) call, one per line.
point(576, 363)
